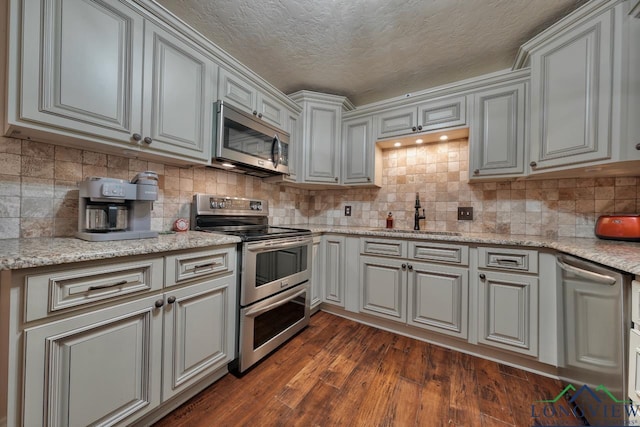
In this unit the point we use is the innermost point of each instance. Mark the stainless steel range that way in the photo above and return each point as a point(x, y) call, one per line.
point(274, 271)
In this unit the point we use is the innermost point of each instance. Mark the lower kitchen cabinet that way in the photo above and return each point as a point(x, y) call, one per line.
point(508, 311)
point(333, 268)
point(120, 357)
point(316, 273)
point(198, 333)
point(439, 298)
point(383, 287)
point(99, 368)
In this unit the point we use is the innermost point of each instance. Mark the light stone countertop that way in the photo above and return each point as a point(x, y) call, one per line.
point(36, 252)
point(624, 256)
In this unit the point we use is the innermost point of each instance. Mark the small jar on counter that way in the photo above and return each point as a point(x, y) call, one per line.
point(390, 220)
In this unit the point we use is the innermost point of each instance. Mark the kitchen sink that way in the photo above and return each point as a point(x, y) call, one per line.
point(428, 232)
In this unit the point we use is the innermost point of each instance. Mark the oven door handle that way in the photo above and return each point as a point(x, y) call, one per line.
point(270, 245)
point(256, 311)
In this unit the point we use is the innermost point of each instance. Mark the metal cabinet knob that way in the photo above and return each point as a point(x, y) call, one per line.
point(533, 164)
point(476, 171)
point(136, 137)
point(255, 113)
point(420, 127)
point(336, 179)
point(171, 299)
point(482, 276)
point(369, 178)
point(638, 146)
point(260, 115)
point(404, 266)
point(410, 267)
point(414, 128)
point(147, 140)
point(159, 303)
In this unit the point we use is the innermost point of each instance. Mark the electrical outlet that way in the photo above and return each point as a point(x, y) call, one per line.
point(347, 211)
point(465, 214)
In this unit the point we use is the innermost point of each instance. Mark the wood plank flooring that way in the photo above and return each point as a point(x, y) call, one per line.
point(340, 373)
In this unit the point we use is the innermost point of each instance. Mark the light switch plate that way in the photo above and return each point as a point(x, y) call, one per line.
point(347, 211)
point(465, 213)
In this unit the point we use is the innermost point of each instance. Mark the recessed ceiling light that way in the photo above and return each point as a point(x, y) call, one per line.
point(444, 138)
point(228, 165)
point(397, 144)
point(419, 141)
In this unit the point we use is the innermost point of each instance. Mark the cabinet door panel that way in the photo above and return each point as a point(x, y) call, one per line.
point(272, 112)
point(571, 96)
point(316, 273)
point(443, 113)
point(90, 52)
point(357, 151)
point(396, 122)
point(179, 85)
point(334, 269)
point(497, 134)
point(439, 299)
point(197, 330)
point(97, 368)
point(383, 288)
point(508, 307)
point(237, 91)
point(322, 157)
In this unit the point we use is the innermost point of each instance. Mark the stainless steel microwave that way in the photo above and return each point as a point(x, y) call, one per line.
point(244, 143)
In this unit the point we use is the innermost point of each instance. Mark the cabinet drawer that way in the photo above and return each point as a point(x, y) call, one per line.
point(635, 302)
point(54, 292)
point(508, 259)
point(383, 247)
point(440, 252)
point(188, 266)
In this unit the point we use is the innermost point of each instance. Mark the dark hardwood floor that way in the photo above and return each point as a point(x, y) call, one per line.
point(340, 373)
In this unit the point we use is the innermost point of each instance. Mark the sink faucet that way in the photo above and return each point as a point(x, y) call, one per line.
point(417, 216)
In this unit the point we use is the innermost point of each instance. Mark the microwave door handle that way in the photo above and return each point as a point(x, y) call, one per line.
point(259, 310)
point(274, 145)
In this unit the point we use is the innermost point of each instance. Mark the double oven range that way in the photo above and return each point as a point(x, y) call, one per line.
point(274, 269)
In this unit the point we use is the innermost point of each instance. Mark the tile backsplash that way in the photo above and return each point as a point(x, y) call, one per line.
point(39, 196)
point(439, 174)
point(39, 193)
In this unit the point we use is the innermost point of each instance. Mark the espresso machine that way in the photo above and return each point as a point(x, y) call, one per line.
point(116, 209)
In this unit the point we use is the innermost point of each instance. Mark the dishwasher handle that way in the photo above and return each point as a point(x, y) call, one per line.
point(591, 275)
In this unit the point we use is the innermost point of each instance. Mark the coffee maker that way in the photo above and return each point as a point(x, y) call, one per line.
point(116, 209)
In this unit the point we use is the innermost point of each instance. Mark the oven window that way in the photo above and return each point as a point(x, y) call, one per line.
point(275, 265)
point(268, 325)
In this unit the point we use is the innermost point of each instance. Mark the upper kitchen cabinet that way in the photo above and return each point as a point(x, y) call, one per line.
point(425, 117)
point(497, 135)
point(246, 96)
point(103, 75)
point(360, 153)
point(321, 125)
point(585, 95)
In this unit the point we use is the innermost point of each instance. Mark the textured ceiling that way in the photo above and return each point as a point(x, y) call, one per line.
point(370, 50)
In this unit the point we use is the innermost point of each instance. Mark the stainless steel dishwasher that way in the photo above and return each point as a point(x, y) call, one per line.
point(593, 332)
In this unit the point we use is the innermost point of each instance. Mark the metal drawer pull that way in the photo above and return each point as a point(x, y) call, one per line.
point(601, 278)
point(507, 261)
point(199, 266)
point(106, 286)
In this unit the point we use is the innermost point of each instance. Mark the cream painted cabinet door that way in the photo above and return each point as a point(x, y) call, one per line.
point(508, 312)
point(82, 70)
point(396, 122)
point(99, 368)
point(357, 151)
point(439, 298)
point(498, 132)
point(180, 89)
point(199, 332)
point(322, 142)
point(571, 96)
point(333, 257)
point(383, 287)
point(316, 272)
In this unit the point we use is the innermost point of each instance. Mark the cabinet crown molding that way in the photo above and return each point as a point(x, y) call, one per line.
point(308, 95)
